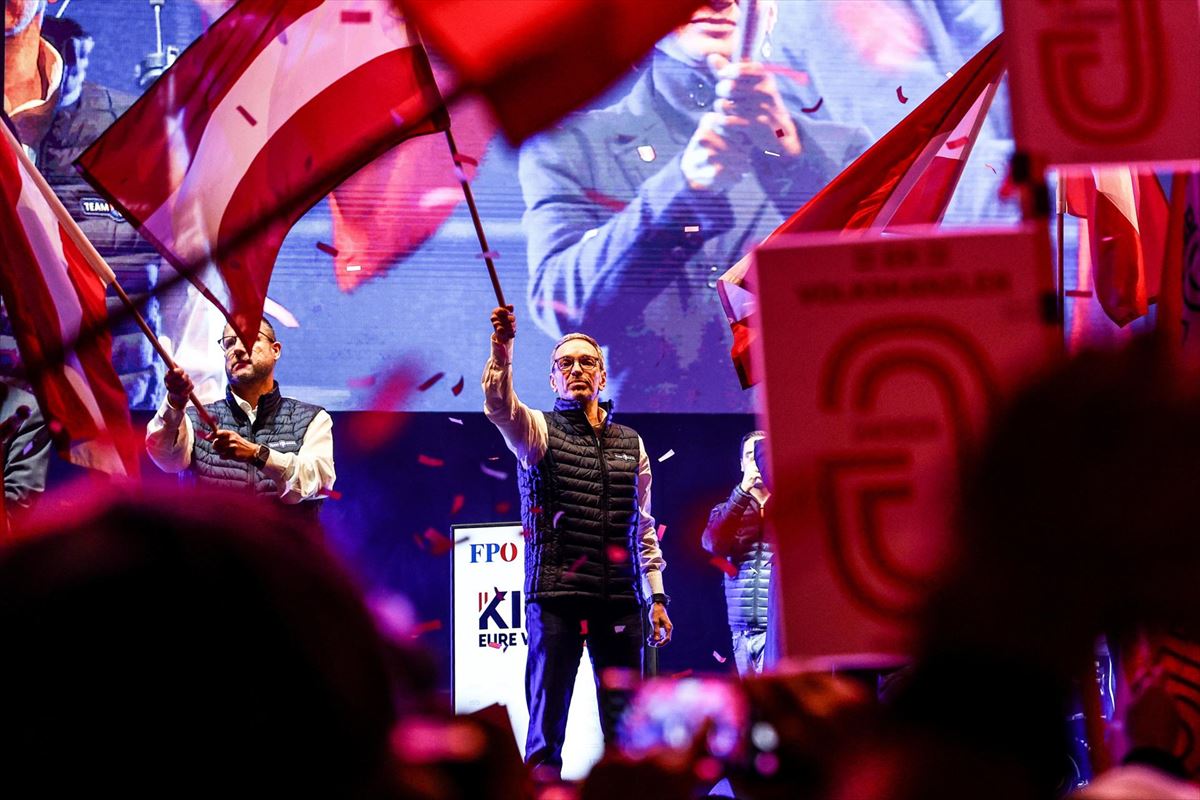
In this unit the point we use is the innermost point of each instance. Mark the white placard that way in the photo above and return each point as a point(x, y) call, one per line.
point(490, 642)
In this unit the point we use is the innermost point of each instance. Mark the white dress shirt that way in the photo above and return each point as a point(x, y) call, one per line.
point(524, 431)
point(306, 475)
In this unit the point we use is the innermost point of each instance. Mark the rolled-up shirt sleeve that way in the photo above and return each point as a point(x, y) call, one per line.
point(649, 550)
point(169, 439)
point(523, 428)
point(308, 474)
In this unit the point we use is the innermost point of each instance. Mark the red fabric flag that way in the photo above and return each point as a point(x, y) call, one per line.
point(52, 294)
point(262, 116)
point(535, 61)
point(906, 178)
point(1127, 214)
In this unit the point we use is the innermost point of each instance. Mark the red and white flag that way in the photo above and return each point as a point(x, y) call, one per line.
point(1127, 214)
point(261, 117)
point(52, 294)
point(906, 178)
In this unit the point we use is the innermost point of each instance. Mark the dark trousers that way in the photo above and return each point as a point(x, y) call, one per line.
point(556, 636)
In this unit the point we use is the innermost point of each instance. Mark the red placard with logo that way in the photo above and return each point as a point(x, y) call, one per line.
point(882, 359)
point(1105, 81)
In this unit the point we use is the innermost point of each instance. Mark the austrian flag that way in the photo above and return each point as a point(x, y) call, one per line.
point(261, 117)
point(52, 296)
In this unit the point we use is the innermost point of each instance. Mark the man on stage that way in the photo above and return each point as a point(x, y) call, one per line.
point(273, 445)
point(585, 508)
point(736, 532)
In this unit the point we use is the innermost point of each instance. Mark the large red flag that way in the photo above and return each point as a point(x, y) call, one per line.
point(262, 116)
point(52, 294)
point(537, 60)
point(906, 178)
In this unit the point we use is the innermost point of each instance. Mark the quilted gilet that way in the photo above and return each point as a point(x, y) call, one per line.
point(735, 531)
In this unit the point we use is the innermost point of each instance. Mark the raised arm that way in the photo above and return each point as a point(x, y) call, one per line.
point(169, 434)
point(721, 531)
point(523, 428)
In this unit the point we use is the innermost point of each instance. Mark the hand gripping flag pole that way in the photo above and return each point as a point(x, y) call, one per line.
point(96, 261)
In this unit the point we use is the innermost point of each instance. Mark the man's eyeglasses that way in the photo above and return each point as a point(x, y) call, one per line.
point(227, 342)
point(586, 363)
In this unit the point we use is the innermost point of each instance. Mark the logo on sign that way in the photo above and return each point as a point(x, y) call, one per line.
point(503, 612)
point(486, 553)
point(97, 207)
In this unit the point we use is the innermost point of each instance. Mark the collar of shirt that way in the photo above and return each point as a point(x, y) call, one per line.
point(252, 413)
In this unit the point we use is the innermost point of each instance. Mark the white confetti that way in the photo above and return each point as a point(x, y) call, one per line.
point(353, 267)
point(590, 234)
point(771, 153)
point(692, 229)
point(499, 475)
point(618, 628)
point(287, 318)
point(665, 456)
point(455, 420)
point(646, 152)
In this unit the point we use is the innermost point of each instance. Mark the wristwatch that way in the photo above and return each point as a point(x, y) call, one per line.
point(660, 597)
point(260, 458)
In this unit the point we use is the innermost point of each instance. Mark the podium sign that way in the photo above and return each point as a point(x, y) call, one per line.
point(490, 642)
point(1104, 81)
point(882, 359)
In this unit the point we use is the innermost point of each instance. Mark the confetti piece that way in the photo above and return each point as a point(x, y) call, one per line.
point(461, 540)
point(499, 594)
point(724, 565)
point(691, 228)
point(353, 267)
point(780, 132)
point(770, 153)
point(618, 628)
point(427, 627)
point(439, 543)
point(276, 310)
point(364, 382)
point(646, 152)
point(55, 427)
point(457, 505)
point(954, 144)
point(720, 658)
point(503, 507)
point(495, 645)
point(420, 542)
point(327, 248)
point(27, 449)
point(499, 475)
point(600, 198)
point(459, 158)
point(557, 517)
point(708, 770)
point(687, 673)
point(355, 17)
point(492, 254)
point(590, 233)
point(900, 94)
point(455, 420)
point(429, 382)
point(814, 109)
point(457, 388)
point(665, 456)
point(430, 461)
point(993, 169)
point(576, 564)
point(493, 458)
point(535, 510)
point(246, 115)
point(662, 532)
point(617, 554)
point(332, 494)
point(583, 626)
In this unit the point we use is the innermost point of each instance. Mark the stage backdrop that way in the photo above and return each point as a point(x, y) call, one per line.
point(585, 218)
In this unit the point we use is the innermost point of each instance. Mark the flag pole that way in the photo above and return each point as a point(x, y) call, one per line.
point(483, 244)
point(1061, 208)
point(97, 262)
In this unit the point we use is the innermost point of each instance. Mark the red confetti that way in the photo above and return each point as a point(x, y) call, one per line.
point(356, 17)
point(579, 562)
point(503, 507)
point(961, 141)
point(55, 427)
point(459, 158)
point(429, 382)
point(327, 248)
point(499, 475)
point(457, 388)
point(332, 494)
point(439, 543)
point(813, 109)
point(601, 199)
point(246, 115)
point(420, 542)
point(900, 94)
point(430, 461)
point(617, 554)
point(662, 532)
point(427, 627)
point(583, 627)
point(495, 645)
point(369, 432)
point(493, 458)
point(687, 673)
point(720, 658)
point(364, 382)
point(724, 565)
point(535, 510)
point(492, 254)
point(457, 505)
point(780, 133)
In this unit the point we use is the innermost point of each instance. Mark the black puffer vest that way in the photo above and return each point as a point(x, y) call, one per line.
point(579, 508)
point(280, 424)
point(735, 530)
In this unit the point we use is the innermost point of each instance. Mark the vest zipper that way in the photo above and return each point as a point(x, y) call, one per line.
point(604, 491)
